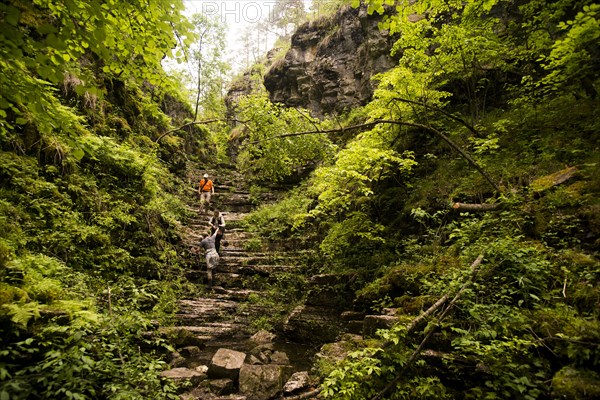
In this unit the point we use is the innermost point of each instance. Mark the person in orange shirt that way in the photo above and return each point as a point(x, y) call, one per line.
point(206, 189)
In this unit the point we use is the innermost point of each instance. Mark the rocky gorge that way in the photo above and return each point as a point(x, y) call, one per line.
point(329, 66)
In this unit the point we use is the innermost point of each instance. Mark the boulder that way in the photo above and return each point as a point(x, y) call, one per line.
point(279, 357)
point(337, 351)
point(263, 336)
point(221, 386)
point(374, 322)
point(262, 382)
point(253, 360)
point(202, 369)
point(298, 381)
point(182, 337)
point(190, 351)
point(262, 353)
point(176, 360)
point(226, 363)
point(180, 375)
point(312, 325)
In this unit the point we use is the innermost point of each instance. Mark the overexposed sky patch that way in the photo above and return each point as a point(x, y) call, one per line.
point(239, 16)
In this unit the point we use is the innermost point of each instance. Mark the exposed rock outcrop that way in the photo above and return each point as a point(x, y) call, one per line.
point(329, 67)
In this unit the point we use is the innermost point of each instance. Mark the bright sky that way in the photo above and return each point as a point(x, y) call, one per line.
point(238, 15)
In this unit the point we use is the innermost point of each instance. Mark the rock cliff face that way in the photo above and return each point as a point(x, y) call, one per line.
point(329, 67)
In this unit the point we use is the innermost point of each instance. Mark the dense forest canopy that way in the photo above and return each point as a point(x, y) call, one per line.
point(463, 196)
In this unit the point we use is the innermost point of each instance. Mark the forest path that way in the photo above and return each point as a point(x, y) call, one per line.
point(228, 313)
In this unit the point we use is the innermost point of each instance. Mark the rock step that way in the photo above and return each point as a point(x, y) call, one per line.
point(224, 279)
point(209, 309)
point(211, 314)
point(235, 295)
point(230, 232)
point(262, 270)
point(250, 259)
point(204, 217)
point(208, 331)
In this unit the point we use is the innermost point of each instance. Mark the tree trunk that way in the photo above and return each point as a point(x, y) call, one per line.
point(476, 207)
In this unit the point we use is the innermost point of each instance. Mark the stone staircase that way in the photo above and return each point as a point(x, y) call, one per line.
point(221, 316)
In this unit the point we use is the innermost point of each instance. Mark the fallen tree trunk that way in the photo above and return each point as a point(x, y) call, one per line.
point(467, 207)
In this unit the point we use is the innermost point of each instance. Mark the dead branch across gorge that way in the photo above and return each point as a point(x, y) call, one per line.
point(369, 125)
point(205, 122)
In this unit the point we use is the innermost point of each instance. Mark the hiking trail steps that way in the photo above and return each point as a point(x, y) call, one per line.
point(222, 316)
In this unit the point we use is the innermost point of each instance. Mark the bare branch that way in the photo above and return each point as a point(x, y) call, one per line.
point(368, 125)
point(441, 111)
point(205, 122)
point(476, 207)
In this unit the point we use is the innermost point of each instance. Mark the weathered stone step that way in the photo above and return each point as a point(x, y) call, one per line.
point(206, 308)
point(235, 295)
point(211, 330)
point(262, 270)
point(250, 257)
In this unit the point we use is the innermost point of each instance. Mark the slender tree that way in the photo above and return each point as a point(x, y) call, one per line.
point(207, 54)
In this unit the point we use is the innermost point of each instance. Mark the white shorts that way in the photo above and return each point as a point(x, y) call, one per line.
point(212, 259)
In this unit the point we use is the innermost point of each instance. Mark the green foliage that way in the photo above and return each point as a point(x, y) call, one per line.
point(355, 234)
point(266, 156)
point(54, 40)
point(572, 57)
point(98, 360)
point(367, 160)
point(89, 205)
point(513, 87)
point(280, 293)
point(281, 220)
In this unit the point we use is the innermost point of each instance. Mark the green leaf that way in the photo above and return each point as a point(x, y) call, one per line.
point(12, 15)
point(78, 154)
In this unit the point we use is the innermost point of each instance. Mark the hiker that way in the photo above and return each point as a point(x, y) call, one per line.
point(212, 257)
point(206, 188)
point(217, 223)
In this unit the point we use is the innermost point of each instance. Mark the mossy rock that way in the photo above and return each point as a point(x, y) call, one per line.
point(570, 383)
point(585, 296)
point(181, 337)
point(398, 281)
point(557, 178)
point(413, 305)
point(11, 294)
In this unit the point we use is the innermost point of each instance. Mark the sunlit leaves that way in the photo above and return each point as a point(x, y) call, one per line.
point(269, 156)
point(353, 232)
point(129, 39)
point(364, 161)
point(575, 56)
